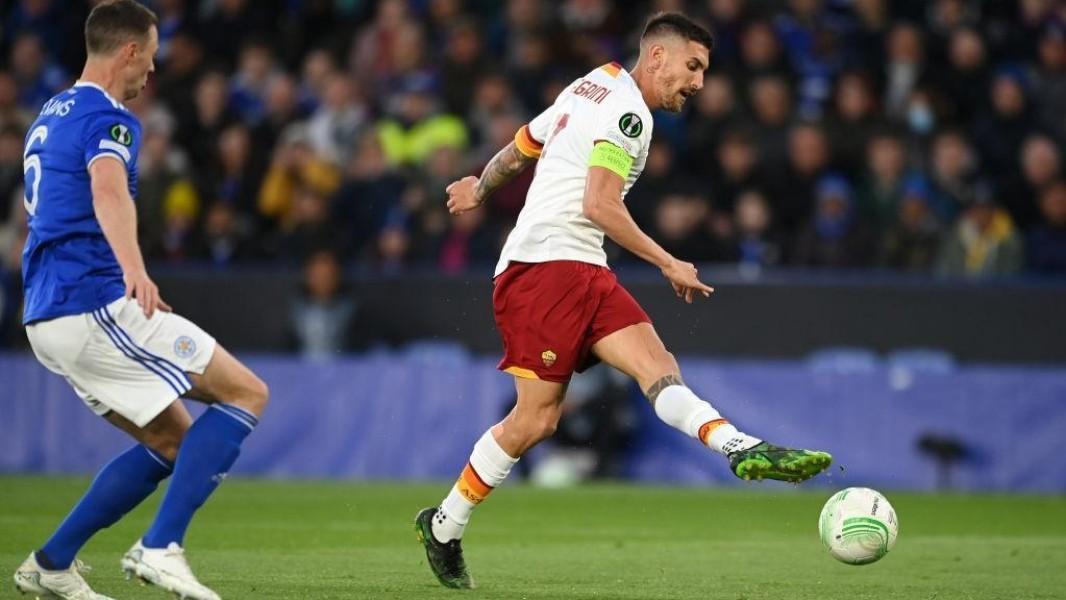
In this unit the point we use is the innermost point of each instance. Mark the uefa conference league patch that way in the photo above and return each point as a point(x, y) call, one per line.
point(631, 125)
point(121, 134)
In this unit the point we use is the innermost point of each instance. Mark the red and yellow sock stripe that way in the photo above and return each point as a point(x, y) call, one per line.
point(471, 486)
point(708, 427)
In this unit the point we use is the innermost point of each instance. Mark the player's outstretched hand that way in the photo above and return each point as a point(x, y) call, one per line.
point(683, 278)
point(462, 195)
point(141, 287)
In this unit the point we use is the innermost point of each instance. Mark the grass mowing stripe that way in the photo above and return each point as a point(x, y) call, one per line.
point(270, 540)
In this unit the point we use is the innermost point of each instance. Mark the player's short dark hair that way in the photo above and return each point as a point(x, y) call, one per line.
point(671, 23)
point(116, 22)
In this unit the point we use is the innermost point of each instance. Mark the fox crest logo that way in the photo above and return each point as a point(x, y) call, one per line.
point(184, 347)
point(548, 357)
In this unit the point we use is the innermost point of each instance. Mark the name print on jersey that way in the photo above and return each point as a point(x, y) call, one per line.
point(592, 91)
point(55, 106)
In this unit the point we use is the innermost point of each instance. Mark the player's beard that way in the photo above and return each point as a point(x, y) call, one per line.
point(676, 101)
point(672, 100)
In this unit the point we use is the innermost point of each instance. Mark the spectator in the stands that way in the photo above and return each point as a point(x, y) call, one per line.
point(967, 73)
point(462, 66)
point(882, 181)
point(235, 177)
point(835, 236)
point(952, 168)
point(370, 192)
point(294, 165)
point(12, 114)
point(339, 120)
point(904, 69)
point(984, 241)
point(853, 122)
point(756, 242)
point(310, 227)
point(715, 109)
point(179, 74)
point(11, 172)
point(282, 109)
point(1040, 160)
point(211, 114)
point(322, 314)
point(737, 169)
point(416, 127)
point(999, 133)
point(792, 190)
point(37, 74)
point(1046, 243)
point(226, 238)
point(164, 190)
point(771, 103)
point(760, 54)
point(681, 228)
point(250, 85)
point(913, 241)
point(1050, 86)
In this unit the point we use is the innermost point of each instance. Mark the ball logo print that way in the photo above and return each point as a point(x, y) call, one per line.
point(121, 134)
point(631, 125)
point(858, 526)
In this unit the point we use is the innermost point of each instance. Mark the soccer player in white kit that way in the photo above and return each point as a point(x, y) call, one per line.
point(559, 308)
point(94, 317)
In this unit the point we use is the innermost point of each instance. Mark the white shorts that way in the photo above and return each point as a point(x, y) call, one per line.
point(118, 360)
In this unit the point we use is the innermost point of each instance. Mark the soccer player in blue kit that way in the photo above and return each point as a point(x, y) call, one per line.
point(94, 316)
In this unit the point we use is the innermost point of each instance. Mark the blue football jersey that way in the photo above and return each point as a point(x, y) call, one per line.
point(67, 265)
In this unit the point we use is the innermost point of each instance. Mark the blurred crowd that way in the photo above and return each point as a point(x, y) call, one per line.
point(910, 135)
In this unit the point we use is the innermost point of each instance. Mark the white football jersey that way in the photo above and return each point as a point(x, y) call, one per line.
point(604, 105)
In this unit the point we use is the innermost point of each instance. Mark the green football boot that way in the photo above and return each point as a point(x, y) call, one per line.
point(445, 559)
point(767, 461)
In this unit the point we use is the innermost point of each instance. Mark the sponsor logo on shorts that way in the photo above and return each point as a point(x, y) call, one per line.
point(184, 347)
point(548, 357)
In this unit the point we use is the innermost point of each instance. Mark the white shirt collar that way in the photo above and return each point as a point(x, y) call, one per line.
point(80, 83)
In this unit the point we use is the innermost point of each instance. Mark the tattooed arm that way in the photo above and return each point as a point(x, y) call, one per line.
point(471, 192)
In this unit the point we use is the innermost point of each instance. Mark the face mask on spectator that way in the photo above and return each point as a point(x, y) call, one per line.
point(920, 118)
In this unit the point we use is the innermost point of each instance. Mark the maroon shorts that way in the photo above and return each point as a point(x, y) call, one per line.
point(550, 314)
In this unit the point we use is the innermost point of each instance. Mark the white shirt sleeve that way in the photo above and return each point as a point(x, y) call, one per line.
point(625, 126)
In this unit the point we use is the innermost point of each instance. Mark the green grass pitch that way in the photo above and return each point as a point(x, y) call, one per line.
point(310, 540)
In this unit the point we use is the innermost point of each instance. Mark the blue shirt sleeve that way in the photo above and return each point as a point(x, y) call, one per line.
point(112, 133)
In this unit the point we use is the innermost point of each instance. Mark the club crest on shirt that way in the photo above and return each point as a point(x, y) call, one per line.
point(184, 347)
point(548, 357)
point(121, 134)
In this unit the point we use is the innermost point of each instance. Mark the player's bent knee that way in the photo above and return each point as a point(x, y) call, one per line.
point(667, 362)
point(543, 427)
point(256, 395)
point(166, 443)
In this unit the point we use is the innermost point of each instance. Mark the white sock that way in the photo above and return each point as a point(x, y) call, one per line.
point(488, 467)
point(681, 409)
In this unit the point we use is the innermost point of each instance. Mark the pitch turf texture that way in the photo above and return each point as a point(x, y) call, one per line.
point(263, 539)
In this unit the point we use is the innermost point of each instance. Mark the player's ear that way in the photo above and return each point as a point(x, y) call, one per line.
point(658, 55)
point(129, 51)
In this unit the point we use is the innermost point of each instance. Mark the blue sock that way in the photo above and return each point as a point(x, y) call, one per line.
point(121, 485)
point(208, 451)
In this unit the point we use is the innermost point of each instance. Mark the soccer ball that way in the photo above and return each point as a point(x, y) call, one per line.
point(858, 526)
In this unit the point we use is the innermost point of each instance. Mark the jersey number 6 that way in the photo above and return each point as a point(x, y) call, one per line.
point(33, 162)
